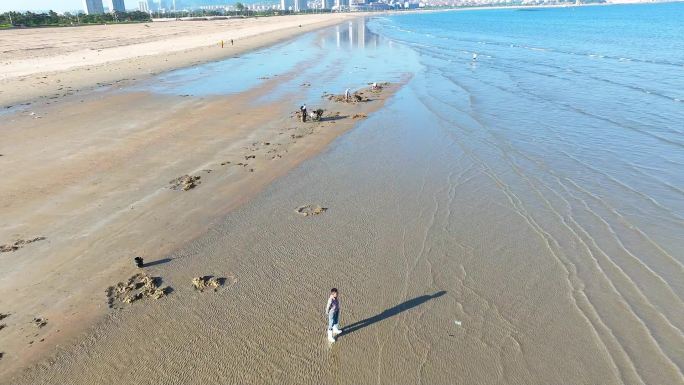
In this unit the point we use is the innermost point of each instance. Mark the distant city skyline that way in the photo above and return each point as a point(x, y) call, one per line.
point(61, 6)
point(40, 5)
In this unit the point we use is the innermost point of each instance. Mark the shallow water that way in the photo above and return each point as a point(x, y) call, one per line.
point(345, 56)
point(575, 115)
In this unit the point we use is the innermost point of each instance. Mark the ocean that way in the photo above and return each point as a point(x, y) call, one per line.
point(571, 120)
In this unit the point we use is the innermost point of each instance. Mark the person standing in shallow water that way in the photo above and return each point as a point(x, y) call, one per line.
point(332, 310)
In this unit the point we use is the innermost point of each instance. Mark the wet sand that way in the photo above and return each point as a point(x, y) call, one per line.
point(101, 197)
point(98, 178)
point(441, 282)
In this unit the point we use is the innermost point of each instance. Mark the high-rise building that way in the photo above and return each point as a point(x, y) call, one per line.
point(160, 5)
point(143, 6)
point(92, 7)
point(116, 5)
point(326, 4)
point(339, 4)
point(286, 4)
point(300, 5)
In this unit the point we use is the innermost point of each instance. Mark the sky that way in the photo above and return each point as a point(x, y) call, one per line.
point(41, 5)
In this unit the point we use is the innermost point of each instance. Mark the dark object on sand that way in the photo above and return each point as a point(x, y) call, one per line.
point(302, 109)
point(39, 322)
point(139, 262)
point(18, 244)
point(317, 114)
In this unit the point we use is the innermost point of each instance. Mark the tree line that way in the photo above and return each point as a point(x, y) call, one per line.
point(31, 19)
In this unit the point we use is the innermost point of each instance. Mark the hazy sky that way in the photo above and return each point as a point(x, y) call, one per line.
point(56, 5)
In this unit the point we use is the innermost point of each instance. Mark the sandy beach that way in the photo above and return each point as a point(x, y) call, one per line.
point(99, 189)
point(50, 63)
point(483, 225)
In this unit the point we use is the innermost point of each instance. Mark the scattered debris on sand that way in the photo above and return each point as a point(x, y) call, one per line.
point(359, 116)
point(137, 287)
point(310, 210)
point(39, 322)
point(356, 97)
point(377, 87)
point(18, 244)
point(185, 182)
point(2, 326)
point(4, 315)
point(208, 282)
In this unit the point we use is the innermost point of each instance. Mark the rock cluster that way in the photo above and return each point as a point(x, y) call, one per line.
point(137, 287)
point(207, 282)
point(310, 210)
point(185, 182)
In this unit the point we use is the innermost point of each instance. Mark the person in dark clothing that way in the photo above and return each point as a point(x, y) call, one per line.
point(302, 109)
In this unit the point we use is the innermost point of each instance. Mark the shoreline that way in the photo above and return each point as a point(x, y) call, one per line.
point(34, 78)
point(29, 77)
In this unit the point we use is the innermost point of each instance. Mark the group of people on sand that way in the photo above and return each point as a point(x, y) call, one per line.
point(314, 116)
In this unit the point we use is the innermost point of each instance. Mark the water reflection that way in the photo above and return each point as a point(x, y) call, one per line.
point(360, 56)
point(354, 40)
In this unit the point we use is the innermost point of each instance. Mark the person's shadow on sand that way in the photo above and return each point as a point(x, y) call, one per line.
point(410, 304)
